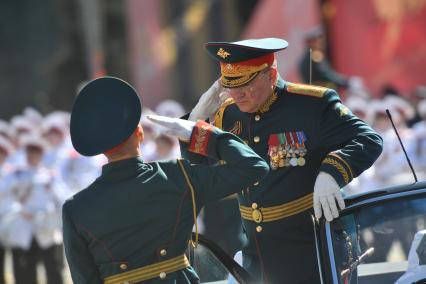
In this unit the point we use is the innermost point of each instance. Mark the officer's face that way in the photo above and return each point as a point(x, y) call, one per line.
point(250, 97)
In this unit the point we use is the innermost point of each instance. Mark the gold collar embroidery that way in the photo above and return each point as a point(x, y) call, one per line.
point(269, 101)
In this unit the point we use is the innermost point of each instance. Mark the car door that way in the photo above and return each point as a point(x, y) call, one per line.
point(379, 238)
point(214, 266)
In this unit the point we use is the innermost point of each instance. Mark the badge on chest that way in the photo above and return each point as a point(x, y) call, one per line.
point(287, 149)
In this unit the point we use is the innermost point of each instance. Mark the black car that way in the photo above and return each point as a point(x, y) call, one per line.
point(379, 238)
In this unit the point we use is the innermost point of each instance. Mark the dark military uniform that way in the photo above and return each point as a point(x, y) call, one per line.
point(133, 224)
point(300, 130)
point(322, 72)
point(138, 214)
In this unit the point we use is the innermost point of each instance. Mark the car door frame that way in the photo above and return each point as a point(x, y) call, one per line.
point(325, 252)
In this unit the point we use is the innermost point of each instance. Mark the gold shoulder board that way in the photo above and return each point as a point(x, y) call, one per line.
point(218, 118)
point(306, 90)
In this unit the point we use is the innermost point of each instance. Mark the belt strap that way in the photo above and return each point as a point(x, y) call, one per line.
point(273, 213)
point(149, 271)
point(194, 206)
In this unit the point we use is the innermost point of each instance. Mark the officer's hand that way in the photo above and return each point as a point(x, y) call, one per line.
point(326, 192)
point(209, 102)
point(175, 126)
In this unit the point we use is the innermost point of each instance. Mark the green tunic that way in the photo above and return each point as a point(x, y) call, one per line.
point(136, 214)
point(329, 138)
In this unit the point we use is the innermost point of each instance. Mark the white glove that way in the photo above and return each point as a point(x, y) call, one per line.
point(175, 126)
point(326, 192)
point(209, 102)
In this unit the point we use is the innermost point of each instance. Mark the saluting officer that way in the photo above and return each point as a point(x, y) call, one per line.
point(133, 224)
point(323, 74)
point(314, 146)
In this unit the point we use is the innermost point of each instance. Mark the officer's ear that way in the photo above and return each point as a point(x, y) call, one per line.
point(273, 76)
point(139, 133)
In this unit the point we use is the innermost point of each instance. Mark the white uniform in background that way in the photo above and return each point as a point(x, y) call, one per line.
point(8, 204)
point(419, 159)
point(41, 195)
point(79, 172)
point(420, 133)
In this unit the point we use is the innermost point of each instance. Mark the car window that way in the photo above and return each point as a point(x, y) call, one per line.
point(379, 243)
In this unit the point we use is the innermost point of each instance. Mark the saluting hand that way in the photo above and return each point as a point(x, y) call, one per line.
point(175, 126)
point(209, 102)
point(326, 192)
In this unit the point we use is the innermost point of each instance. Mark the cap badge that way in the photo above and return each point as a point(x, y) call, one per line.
point(222, 53)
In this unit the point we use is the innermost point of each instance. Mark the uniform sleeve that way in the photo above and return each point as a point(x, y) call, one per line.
point(326, 73)
point(81, 264)
point(192, 157)
point(241, 167)
point(351, 144)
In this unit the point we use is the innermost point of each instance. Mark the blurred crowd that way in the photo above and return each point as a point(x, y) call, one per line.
point(39, 169)
point(409, 116)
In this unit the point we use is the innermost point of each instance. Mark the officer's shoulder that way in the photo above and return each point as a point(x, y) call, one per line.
point(76, 198)
point(226, 104)
point(311, 91)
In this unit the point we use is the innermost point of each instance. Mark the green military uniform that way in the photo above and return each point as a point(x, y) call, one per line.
point(133, 224)
point(322, 72)
point(300, 130)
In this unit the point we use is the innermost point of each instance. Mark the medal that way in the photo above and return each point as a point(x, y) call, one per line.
point(301, 161)
point(287, 149)
point(286, 162)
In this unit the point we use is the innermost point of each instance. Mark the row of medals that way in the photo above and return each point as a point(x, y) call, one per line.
point(286, 155)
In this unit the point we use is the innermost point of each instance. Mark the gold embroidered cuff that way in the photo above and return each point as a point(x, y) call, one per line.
point(338, 168)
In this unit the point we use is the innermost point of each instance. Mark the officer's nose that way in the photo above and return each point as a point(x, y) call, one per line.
point(238, 93)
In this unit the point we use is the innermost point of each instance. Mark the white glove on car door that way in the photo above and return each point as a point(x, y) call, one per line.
point(326, 192)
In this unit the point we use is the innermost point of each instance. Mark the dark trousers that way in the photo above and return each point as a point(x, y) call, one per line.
point(2, 258)
point(25, 264)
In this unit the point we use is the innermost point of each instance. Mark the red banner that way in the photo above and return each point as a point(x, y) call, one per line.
point(289, 20)
point(383, 41)
point(146, 54)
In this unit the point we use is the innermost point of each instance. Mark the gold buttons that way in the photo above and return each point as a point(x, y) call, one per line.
point(259, 229)
point(163, 275)
point(256, 183)
point(254, 206)
point(256, 139)
point(257, 117)
point(123, 266)
point(163, 252)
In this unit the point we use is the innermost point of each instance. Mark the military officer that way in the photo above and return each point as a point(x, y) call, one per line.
point(133, 224)
point(323, 73)
point(314, 146)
